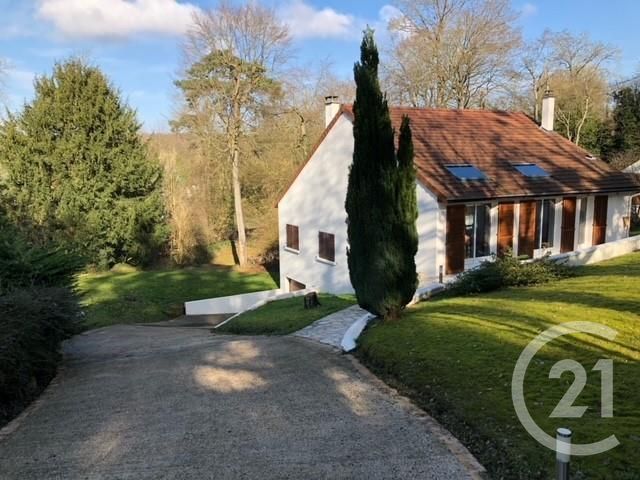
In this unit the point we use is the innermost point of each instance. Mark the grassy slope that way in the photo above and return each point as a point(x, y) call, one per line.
point(157, 295)
point(456, 357)
point(284, 316)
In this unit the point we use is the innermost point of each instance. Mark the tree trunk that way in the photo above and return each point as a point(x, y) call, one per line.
point(237, 205)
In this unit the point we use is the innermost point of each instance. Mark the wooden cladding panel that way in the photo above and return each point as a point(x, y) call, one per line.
point(568, 233)
point(455, 239)
point(505, 227)
point(527, 228)
point(600, 219)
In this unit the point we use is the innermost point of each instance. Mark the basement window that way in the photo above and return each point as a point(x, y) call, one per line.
point(531, 170)
point(466, 172)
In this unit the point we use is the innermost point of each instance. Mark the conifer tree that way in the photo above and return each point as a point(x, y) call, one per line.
point(78, 172)
point(381, 202)
point(626, 120)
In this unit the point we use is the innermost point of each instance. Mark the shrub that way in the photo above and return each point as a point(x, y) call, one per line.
point(33, 322)
point(508, 271)
point(23, 265)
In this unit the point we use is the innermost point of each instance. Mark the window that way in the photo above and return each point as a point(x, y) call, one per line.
point(477, 223)
point(582, 221)
point(545, 223)
point(531, 170)
point(466, 172)
point(327, 246)
point(293, 238)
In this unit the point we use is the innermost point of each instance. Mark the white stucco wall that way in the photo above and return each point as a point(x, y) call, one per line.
point(315, 202)
point(633, 168)
point(618, 207)
point(427, 258)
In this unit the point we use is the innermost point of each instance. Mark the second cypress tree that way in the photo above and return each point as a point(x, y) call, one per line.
point(381, 198)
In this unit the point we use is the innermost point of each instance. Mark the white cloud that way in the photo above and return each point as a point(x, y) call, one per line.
point(528, 9)
point(117, 18)
point(306, 21)
point(388, 13)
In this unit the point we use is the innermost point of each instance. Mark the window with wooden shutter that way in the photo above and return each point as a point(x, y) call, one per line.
point(527, 228)
point(505, 227)
point(600, 205)
point(455, 239)
point(567, 238)
point(545, 223)
point(293, 237)
point(327, 246)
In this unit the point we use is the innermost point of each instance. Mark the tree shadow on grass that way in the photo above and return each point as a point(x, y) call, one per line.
point(457, 362)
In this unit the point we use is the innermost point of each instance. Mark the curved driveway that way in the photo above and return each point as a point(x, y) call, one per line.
point(141, 402)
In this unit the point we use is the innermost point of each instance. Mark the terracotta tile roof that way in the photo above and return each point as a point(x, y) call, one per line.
point(493, 142)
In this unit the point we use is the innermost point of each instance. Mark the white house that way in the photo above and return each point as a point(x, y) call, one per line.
point(633, 168)
point(487, 181)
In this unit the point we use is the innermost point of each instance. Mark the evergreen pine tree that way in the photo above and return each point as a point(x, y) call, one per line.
point(78, 172)
point(381, 203)
point(626, 120)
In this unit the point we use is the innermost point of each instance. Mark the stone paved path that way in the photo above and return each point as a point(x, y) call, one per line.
point(331, 329)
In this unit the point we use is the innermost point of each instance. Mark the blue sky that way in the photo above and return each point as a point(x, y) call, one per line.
point(137, 42)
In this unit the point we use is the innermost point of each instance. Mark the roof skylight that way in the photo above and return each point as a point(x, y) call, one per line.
point(531, 170)
point(466, 172)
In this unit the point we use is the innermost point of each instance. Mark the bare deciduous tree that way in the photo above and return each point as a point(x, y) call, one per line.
point(579, 78)
point(235, 54)
point(451, 53)
point(536, 66)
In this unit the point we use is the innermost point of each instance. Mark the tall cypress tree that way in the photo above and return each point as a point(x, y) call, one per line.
point(381, 203)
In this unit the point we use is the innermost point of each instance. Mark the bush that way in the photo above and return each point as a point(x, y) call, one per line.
point(508, 271)
point(23, 265)
point(33, 322)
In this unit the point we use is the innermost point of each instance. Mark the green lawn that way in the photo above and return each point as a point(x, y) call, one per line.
point(155, 295)
point(455, 357)
point(284, 316)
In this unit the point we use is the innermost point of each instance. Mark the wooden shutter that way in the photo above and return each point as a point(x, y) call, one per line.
point(505, 227)
point(527, 228)
point(567, 239)
point(600, 219)
point(454, 244)
point(293, 237)
point(327, 246)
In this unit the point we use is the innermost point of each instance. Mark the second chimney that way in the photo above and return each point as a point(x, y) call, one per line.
point(548, 110)
point(331, 108)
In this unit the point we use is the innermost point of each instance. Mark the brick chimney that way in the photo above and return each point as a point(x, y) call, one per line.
point(331, 108)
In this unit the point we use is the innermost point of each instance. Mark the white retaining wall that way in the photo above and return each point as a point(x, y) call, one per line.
point(598, 253)
point(279, 296)
point(230, 304)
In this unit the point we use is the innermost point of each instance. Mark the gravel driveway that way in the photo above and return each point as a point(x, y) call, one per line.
point(140, 402)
